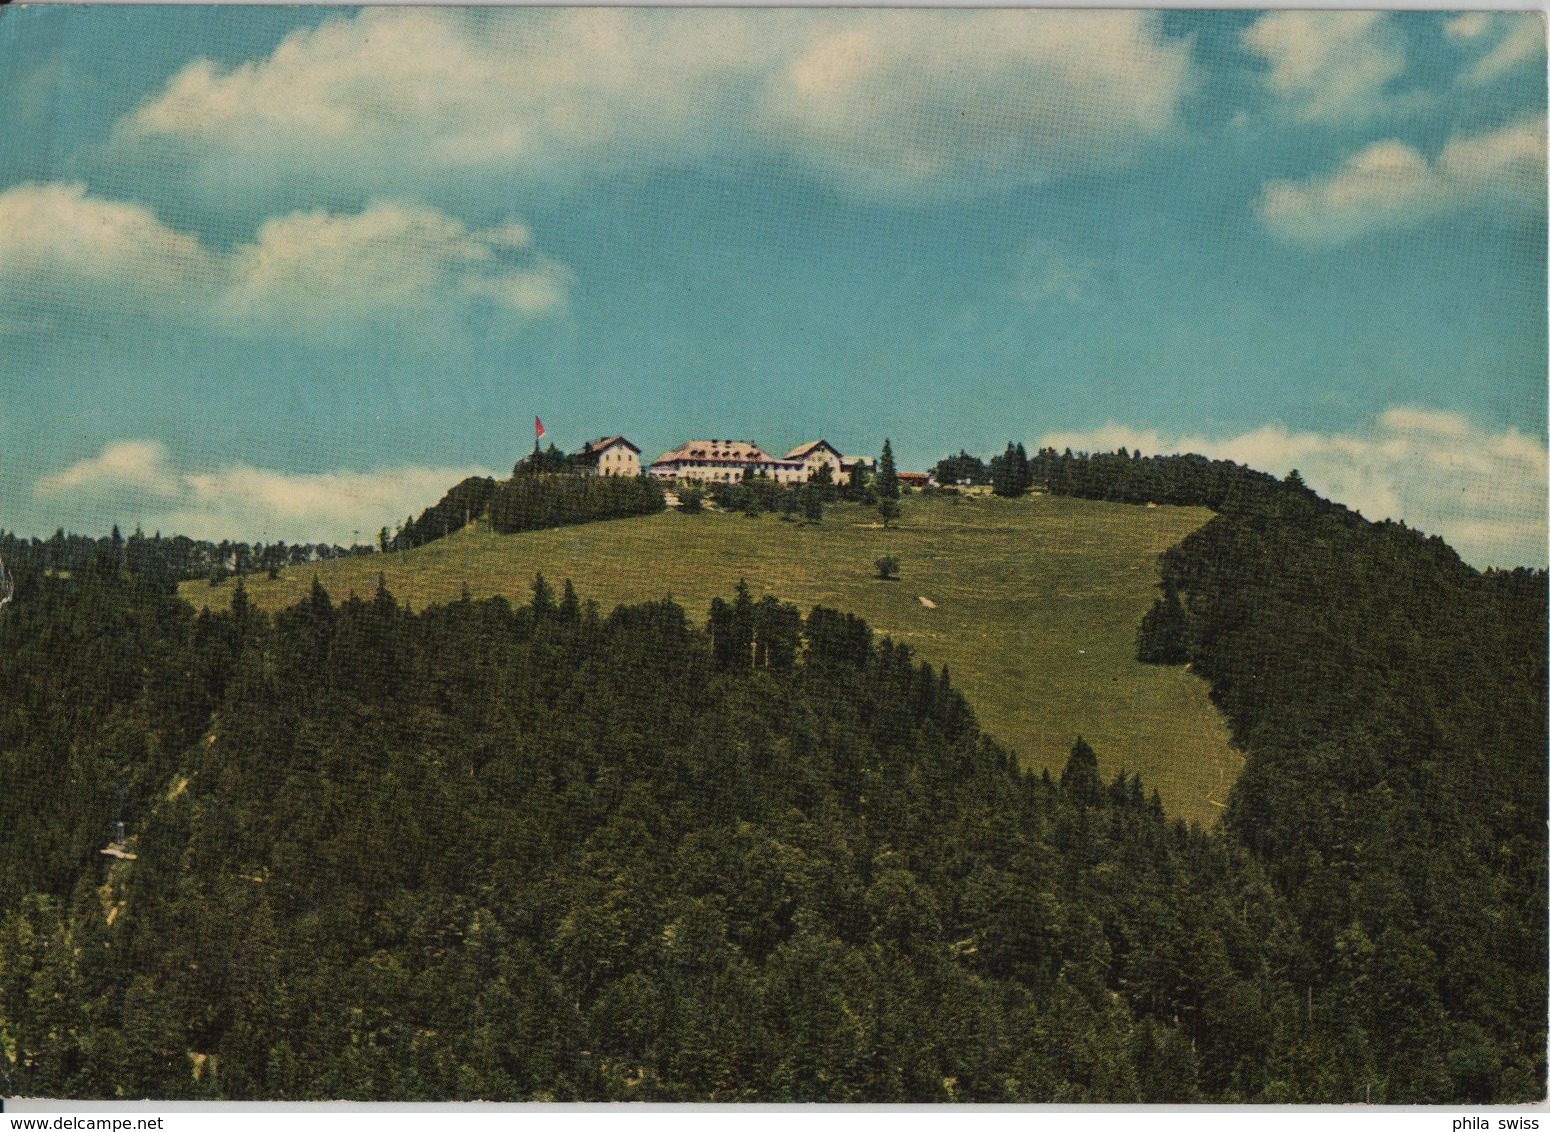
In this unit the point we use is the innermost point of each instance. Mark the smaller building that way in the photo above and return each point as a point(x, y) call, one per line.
point(609, 456)
point(816, 453)
point(917, 479)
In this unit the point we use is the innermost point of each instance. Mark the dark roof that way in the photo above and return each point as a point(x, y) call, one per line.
point(801, 451)
point(710, 451)
point(603, 442)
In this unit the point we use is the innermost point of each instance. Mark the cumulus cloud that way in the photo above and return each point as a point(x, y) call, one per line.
point(935, 102)
point(321, 269)
point(896, 101)
point(422, 85)
point(136, 481)
point(137, 464)
point(1390, 184)
point(1486, 493)
point(53, 235)
point(1507, 40)
point(319, 272)
point(1328, 66)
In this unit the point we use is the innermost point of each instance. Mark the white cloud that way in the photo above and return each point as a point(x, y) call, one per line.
point(538, 290)
point(900, 101)
point(54, 236)
point(318, 272)
point(1329, 66)
point(320, 269)
point(1468, 25)
point(457, 88)
point(937, 102)
point(1509, 40)
point(139, 465)
point(135, 481)
point(1486, 493)
point(1390, 185)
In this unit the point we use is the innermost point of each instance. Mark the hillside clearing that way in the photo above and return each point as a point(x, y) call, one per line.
point(1036, 607)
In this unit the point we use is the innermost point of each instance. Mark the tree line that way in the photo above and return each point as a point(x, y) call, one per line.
point(535, 502)
point(176, 557)
point(465, 502)
point(1115, 477)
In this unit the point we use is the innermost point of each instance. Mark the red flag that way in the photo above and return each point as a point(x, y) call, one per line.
point(538, 428)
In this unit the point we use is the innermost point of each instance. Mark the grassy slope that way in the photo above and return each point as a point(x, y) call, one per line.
point(1037, 603)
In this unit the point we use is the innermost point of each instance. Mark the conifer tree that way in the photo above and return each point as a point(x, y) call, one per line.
point(1009, 472)
point(1080, 779)
point(887, 483)
point(543, 598)
point(384, 600)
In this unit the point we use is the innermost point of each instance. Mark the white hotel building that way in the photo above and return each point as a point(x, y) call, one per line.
point(726, 461)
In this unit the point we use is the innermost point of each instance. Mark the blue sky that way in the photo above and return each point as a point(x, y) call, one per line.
point(287, 273)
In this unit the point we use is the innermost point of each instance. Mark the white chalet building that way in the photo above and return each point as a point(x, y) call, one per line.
point(610, 456)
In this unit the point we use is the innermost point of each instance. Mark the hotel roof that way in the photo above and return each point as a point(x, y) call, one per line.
point(801, 450)
point(726, 451)
point(603, 442)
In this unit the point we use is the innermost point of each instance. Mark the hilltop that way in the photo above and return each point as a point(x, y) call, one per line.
point(1036, 605)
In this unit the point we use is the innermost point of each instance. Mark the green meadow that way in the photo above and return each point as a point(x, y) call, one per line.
point(1033, 605)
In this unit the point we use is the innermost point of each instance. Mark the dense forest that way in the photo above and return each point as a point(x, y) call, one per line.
point(522, 850)
point(1392, 704)
point(177, 557)
point(465, 502)
point(535, 501)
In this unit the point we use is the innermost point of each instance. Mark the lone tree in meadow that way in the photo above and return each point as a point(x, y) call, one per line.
point(887, 567)
point(887, 482)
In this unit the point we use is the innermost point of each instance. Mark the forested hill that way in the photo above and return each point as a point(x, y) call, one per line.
point(1391, 702)
point(532, 852)
point(522, 853)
